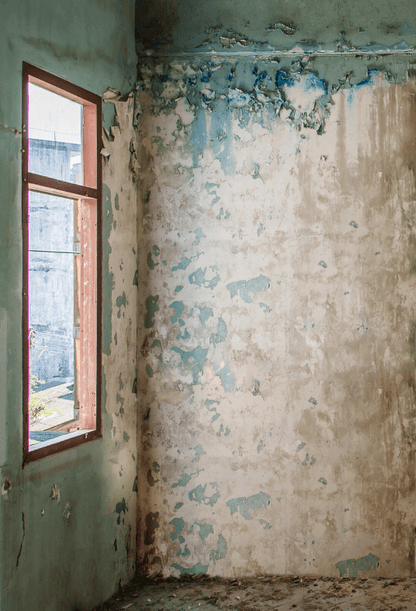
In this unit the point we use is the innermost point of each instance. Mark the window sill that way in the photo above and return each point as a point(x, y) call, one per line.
point(70, 440)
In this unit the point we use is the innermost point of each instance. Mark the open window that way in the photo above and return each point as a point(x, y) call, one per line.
point(62, 264)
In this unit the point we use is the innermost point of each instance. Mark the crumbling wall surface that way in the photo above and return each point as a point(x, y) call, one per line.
point(277, 320)
point(221, 25)
point(78, 519)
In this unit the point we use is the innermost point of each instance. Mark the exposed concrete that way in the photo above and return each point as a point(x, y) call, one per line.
point(277, 299)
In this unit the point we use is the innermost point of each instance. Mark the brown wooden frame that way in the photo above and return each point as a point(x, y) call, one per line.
point(91, 191)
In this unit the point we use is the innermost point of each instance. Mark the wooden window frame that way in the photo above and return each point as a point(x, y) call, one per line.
point(89, 193)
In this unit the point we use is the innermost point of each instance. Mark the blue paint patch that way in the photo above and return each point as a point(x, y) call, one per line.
point(220, 552)
point(184, 479)
point(261, 227)
point(222, 149)
point(221, 333)
point(305, 462)
point(238, 99)
point(282, 79)
point(197, 569)
point(353, 567)
point(198, 136)
point(185, 334)
point(185, 552)
point(406, 29)
point(204, 313)
point(256, 389)
point(312, 82)
point(354, 224)
point(121, 300)
point(243, 505)
point(198, 356)
point(178, 525)
point(323, 264)
point(266, 526)
point(204, 530)
point(183, 264)
point(265, 307)
point(312, 400)
point(178, 288)
point(235, 251)
point(198, 278)
point(199, 235)
point(243, 287)
point(323, 481)
point(198, 495)
point(209, 186)
point(209, 402)
point(260, 78)
point(149, 370)
point(313, 460)
point(178, 307)
point(227, 377)
point(198, 452)
point(300, 446)
point(221, 430)
point(178, 505)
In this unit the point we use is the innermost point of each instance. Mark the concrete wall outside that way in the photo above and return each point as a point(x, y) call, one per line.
point(51, 275)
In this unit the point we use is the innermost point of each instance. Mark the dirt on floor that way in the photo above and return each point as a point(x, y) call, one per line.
point(265, 593)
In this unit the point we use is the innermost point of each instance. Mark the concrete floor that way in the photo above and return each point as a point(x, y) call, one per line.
point(266, 593)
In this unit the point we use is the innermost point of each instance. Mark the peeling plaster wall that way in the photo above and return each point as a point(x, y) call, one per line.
point(68, 522)
point(276, 310)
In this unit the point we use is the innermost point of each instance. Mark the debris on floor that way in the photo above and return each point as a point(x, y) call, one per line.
point(266, 593)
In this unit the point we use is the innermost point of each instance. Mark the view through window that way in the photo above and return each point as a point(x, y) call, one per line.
point(61, 236)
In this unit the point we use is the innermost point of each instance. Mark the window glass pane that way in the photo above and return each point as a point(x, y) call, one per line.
point(55, 136)
point(53, 310)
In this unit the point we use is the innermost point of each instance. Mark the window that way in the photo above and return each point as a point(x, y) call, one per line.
point(61, 219)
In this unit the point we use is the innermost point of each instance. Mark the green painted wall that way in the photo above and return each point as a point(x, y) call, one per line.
point(166, 26)
point(71, 554)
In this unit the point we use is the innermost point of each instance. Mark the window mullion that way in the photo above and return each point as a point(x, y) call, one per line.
point(44, 184)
